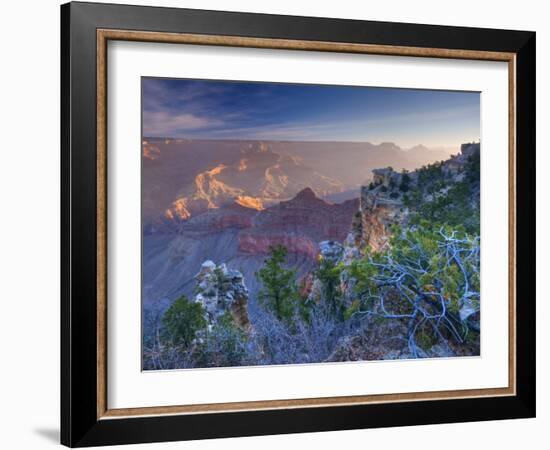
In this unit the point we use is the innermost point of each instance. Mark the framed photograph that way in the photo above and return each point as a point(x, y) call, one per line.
point(276, 224)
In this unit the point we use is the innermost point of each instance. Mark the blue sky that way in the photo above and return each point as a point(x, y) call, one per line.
point(275, 111)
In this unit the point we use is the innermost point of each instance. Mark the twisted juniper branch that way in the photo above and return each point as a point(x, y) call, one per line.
point(402, 276)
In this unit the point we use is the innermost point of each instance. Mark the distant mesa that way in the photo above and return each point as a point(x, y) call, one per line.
point(178, 211)
point(150, 151)
point(306, 194)
point(419, 148)
point(260, 244)
point(249, 202)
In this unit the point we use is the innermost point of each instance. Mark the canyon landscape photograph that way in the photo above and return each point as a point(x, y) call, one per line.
point(295, 224)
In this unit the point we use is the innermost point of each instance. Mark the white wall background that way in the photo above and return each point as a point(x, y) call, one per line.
point(29, 229)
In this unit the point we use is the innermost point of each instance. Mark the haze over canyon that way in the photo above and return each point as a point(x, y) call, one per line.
point(231, 200)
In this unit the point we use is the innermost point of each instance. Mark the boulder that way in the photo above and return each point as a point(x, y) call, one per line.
point(331, 250)
point(220, 290)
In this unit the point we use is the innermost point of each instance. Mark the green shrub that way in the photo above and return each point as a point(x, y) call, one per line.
point(457, 207)
point(425, 340)
point(353, 308)
point(405, 181)
point(182, 321)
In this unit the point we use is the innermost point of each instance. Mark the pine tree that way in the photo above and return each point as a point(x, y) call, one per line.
point(329, 275)
point(279, 291)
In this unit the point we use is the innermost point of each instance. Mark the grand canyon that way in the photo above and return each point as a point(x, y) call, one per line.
point(289, 223)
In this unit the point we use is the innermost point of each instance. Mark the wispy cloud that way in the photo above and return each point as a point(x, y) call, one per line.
point(163, 123)
point(161, 93)
point(275, 131)
point(249, 110)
